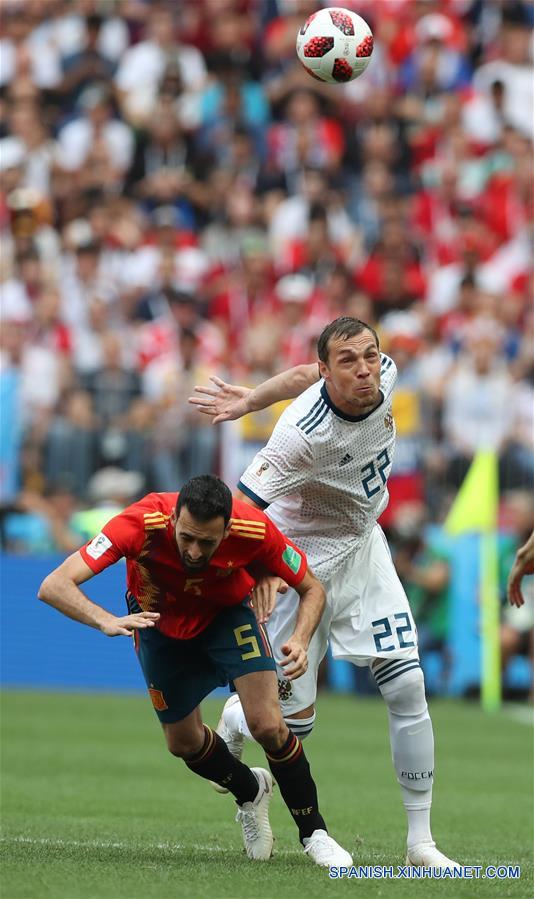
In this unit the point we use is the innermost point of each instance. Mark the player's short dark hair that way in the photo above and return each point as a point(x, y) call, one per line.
point(344, 327)
point(206, 497)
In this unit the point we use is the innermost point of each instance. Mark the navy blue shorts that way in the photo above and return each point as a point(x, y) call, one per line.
point(180, 673)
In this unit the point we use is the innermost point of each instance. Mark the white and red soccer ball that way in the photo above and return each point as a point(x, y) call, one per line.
point(335, 45)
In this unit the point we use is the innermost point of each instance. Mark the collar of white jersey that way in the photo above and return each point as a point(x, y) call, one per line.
point(340, 413)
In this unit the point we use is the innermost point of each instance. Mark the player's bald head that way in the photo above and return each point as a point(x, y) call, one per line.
point(342, 328)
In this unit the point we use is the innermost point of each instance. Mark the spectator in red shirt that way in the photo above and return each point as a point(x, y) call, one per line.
point(393, 275)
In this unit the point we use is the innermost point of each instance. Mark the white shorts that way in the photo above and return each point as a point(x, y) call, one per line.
point(367, 617)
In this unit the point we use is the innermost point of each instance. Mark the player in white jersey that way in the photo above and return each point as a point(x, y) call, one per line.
point(323, 477)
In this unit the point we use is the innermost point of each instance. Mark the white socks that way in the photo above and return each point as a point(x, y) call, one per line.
point(417, 804)
point(412, 746)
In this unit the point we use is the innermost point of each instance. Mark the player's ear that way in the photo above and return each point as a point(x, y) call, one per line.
point(173, 518)
point(227, 529)
point(324, 371)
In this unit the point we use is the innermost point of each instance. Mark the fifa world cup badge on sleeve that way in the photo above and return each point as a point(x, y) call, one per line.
point(292, 558)
point(98, 546)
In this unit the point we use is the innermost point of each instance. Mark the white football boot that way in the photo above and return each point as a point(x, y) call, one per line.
point(324, 850)
point(233, 739)
point(426, 855)
point(254, 819)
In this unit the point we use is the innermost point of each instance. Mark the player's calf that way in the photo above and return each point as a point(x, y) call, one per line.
point(402, 685)
point(412, 741)
point(291, 769)
point(252, 789)
point(214, 762)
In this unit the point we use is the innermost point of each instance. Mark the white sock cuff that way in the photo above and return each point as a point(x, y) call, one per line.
point(414, 800)
point(301, 727)
point(417, 806)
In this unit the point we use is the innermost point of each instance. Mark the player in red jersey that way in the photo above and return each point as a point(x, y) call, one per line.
point(192, 558)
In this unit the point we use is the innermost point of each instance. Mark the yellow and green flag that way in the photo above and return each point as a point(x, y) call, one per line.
point(475, 510)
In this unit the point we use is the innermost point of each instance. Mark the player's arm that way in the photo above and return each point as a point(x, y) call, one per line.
point(228, 402)
point(267, 587)
point(264, 595)
point(311, 607)
point(282, 557)
point(61, 590)
point(270, 475)
point(523, 564)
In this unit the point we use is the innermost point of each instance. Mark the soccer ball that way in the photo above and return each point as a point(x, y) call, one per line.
point(335, 45)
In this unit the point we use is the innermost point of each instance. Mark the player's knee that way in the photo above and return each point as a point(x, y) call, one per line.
point(405, 693)
point(185, 747)
point(268, 730)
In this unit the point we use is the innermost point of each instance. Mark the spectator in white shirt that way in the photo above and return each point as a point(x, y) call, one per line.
point(483, 114)
point(142, 66)
point(64, 27)
point(26, 124)
point(515, 72)
point(81, 283)
point(96, 139)
point(477, 412)
point(20, 58)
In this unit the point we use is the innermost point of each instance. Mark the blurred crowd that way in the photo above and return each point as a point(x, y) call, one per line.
point(179, 198)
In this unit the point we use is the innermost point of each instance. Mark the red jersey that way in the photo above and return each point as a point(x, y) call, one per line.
point(157, 579)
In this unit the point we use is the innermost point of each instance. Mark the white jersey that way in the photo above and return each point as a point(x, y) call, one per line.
point(323, 473)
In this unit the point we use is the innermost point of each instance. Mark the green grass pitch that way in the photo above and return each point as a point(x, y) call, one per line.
point(93, 806)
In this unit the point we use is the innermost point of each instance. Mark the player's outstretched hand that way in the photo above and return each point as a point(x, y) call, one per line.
point(264, 596)
point(224, 402)
point(523, 564)
point(123, 627)
point(296, 659)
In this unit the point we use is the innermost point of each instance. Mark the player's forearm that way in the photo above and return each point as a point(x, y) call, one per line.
point(310, 611)
point(284, 386)
point(64, 595)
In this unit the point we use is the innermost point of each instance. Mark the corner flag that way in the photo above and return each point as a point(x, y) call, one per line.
point(475, 510)
point(476, 504)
